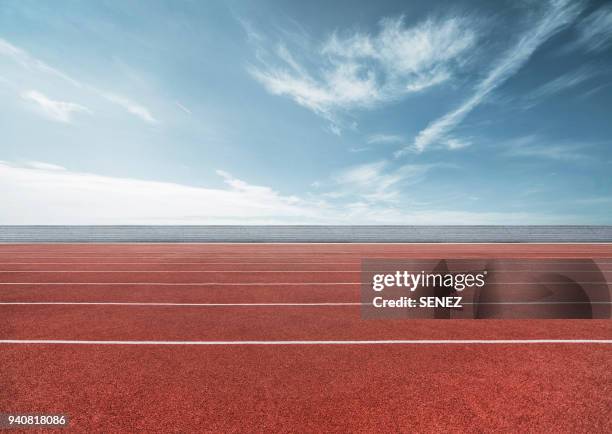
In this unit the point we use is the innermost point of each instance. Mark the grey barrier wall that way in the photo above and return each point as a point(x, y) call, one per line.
point(306, 234)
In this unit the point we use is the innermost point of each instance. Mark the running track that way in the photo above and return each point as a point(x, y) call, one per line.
point(441, 377)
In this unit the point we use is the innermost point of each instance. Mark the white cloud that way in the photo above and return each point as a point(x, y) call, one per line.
point(533, 146)
point(595, 31)
point(31, 63)
point(60, 111)
point(335, 130)
point(182, 107)
point(384, 139)
point(361, 70)
point(132, 107)
point(37, 195)
point(377, 181)
point(413, 53)
point(44, 166)
point(256, 190)
point(453, 143)
point(562, 83)
point(556, 17)
point(42, 196)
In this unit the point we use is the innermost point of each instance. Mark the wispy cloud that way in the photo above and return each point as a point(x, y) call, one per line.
point(533, 146)
point(453, 143)
point(44, 166)
point(37, 194)
point(263, 193)
point(378, 181)
point(132, 107)
point(560, 84)
point(27, 61)
point(335, 129)
point(60, 111)
point(182, 107)
point(384, 139)
point(353, 70)
point(557, 16)
point(42, 196)
point(595, 31)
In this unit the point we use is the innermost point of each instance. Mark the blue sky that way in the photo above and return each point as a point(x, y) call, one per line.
point(344, 112)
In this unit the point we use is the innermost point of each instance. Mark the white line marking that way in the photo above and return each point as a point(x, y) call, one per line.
point(253, 259)
point(184, 284)
point(101, 303)
point(268, 283)
point(179, 244)
point(267, 304)
point(218, 261)
point(119, 259)
point(542, 302)
point(356, 271)
point(306, 342)
point(357, 262)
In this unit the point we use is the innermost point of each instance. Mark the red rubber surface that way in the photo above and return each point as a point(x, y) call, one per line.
point(422, 388)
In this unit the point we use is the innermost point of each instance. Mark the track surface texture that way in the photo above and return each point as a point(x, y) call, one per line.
point(161, 297)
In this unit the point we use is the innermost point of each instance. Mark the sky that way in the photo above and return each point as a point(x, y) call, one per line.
point(290, 112)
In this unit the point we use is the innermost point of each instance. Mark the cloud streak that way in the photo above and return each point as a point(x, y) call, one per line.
point(555, 18)
point(377, 181)
point(44, 194)
point(560, 84)
point(132, 107)
point(595, 31)
point(44, 166)
point(23, 58)
point(356, 70)
point(59, 111)
point(39, 194)
point(384, 139)
point(535, 147)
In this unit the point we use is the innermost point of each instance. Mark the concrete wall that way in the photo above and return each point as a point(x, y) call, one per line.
point(288, 234)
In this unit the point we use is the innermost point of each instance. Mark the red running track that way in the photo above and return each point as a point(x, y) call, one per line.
point(287, 388)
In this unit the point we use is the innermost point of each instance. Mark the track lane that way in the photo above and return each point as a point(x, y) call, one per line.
point(276, 252)
point(192, 277)
point(266, 323)
point(182, 294)
point(223, 389)
point(182, 267)
point(542, 388)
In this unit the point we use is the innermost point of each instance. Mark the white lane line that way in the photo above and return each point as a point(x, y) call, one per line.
point(269, 283)
point(185, 284)
point(218, 259)
point(315, 342)
point(271, 259)
point(264, 304)
point(355, 271)
point(170, 264)
point(102, 303)
point(541, 302)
